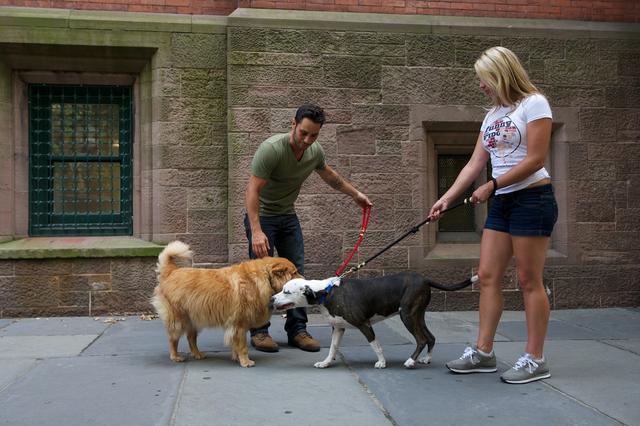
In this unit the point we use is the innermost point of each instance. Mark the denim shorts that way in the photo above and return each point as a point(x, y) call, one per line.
point(527, 212)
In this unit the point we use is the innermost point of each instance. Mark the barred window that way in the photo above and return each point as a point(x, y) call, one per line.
point(80, 165)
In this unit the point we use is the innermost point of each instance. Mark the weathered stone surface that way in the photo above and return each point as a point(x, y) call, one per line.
point(133, 274)
point(192, 110)
point(196, 157)
point(597, 125)
point(206, 221)
point(430, 86)
point(430, 50)
point(576, 96)
point(7, 268)
point(210, 247)
point(90, 266)
point(350, 71)
point(273, 75)
point(249, 39)
point(43, 267)
point(198, 50)
point(29, 291)
point(354, 140)
point(560, 71)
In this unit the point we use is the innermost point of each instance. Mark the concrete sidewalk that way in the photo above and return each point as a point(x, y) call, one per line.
point(96, 371)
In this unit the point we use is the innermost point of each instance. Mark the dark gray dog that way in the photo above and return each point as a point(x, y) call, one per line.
point(362, 302)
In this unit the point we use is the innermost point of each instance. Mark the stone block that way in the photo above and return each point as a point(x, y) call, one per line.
point(191, 178)
point(247, 39)
point(622, 96)
point(7, 268)
point(208, 198)
point(210, 247)
point(299, 41)
point(351, 71)
point(560, 96)
point(430, 50)
point(629, 299)
point(29, 291)
point(170, 209)
point(581, 292)
point(43, 267)
point(90, 266)
point(381, 115)
point(196, 157)
point(166, 82)
point(249, 120)
point(203, 83)
point(133, 274)
point(75, 299)
point(356, 140)
point(547, 48)
point(120, 302)
point(190, 50)
point(279, 59)
point(430, 86)
point(597, 124)
point(581, 49)
point(84, 283)
point(207, 221)
point(273, 75)
point(189, 110)
point(566, 72)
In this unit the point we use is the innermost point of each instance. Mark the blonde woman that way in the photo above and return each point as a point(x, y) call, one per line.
point(515, 135)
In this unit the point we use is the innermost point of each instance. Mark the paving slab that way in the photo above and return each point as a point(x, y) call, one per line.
point(283, 388)
point(94, 391)
point(609, 323)
point(433, 395)
point(43, 346)
point(54, 327)
point(596, 374)
point(631, 345)
point(557, 330)
point(12, 369)
point(4, 323)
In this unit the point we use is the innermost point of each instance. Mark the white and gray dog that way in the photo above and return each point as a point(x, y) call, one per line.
point(362, 302)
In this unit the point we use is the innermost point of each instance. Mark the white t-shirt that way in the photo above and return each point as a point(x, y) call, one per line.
point(504, 136)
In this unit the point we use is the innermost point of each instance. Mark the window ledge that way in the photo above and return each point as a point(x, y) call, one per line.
point(78, 247)
point(471, 251)
point(455, 251)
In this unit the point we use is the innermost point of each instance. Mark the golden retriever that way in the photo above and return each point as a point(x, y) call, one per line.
point(235, 298)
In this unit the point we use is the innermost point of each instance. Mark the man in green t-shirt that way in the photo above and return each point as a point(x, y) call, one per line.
point(279, 167)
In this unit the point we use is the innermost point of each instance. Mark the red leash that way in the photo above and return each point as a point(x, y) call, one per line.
point(366, 214)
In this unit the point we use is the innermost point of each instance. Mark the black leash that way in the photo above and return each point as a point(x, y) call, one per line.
point(411, 231)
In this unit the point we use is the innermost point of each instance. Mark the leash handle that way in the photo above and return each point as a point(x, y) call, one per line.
point(413, 230)
point(366, 215)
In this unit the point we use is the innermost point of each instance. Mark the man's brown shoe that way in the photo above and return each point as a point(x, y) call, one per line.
point(304, 341)
point(263, 342)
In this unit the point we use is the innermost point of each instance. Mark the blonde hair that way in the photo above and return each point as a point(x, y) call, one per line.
point(500, 69)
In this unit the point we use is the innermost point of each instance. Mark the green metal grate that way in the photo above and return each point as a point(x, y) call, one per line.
point(80, 140)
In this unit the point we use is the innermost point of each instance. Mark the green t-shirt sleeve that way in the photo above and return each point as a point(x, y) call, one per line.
point(264, 161)
point(322, 162)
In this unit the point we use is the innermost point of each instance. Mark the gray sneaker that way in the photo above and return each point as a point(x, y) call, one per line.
point(473, 361)
point(526, 370)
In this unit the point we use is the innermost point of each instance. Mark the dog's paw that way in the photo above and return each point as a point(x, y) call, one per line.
point(381, 364)
point(199, 355)
point(321, 364)
point(177, 358)
point(425, 360)
point(410, 363)
point(247, 364)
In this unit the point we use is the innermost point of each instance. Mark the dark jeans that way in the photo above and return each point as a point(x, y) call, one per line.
point(285, 235)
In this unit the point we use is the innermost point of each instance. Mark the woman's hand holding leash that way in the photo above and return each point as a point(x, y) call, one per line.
point(484, 192)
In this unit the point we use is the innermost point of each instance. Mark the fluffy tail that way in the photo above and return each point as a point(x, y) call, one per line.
point(453, 287)
point(166, 265)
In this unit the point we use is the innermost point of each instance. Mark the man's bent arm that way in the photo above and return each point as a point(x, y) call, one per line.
point(337, 182)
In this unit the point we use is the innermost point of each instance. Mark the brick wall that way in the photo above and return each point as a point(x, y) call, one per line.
point(583, 10)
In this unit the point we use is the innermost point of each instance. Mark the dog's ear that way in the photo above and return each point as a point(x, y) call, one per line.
point(313, 297)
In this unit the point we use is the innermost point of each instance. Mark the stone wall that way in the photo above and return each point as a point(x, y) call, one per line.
point(209, 90)
point(72, 287)
point(382, 84)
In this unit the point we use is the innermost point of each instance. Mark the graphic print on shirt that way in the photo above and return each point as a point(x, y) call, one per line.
point(502, 137)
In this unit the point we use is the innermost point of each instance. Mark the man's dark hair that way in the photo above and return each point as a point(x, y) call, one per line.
point(312, 112)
